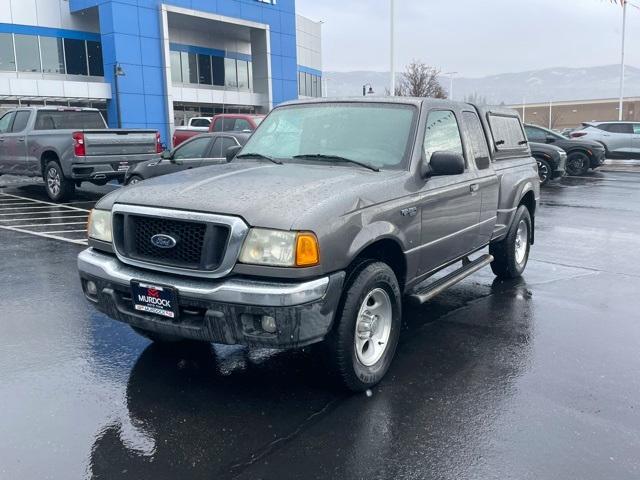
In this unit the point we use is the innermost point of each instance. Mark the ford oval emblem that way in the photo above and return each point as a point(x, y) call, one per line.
point(163, 241)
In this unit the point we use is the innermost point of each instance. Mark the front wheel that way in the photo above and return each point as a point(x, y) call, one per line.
point(544, 171)
point(57, 186)
point(578, 164)
point(510, 255)
point(363, 342)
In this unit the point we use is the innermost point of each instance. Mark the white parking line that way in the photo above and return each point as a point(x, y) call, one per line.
point(45, 235)
point(40, 212)
point(50, 224)
point(67, 231)
point(30, 208)
point(43, 202)
point(40, 218)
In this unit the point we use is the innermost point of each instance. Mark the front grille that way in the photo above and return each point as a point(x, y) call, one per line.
point(198, 245)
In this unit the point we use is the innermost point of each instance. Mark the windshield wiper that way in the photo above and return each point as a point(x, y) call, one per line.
point(259, 155)
point(320, 156)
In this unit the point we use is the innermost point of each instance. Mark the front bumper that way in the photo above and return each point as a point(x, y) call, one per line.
point(597, 158)
point(561, 166)
point(225, 311)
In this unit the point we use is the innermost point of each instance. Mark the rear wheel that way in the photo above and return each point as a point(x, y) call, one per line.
point(363, 342)
point(544, 171)
point(57, 186)
point(512, 253)
point(578, 163)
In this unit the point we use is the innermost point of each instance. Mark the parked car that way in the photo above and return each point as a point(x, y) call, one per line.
point(200, 151)
point(330, 214)
point(226, 122)
point(621, 140)
point(68, 146)
point(581, 154)
point(197, 123)
point(551, 161)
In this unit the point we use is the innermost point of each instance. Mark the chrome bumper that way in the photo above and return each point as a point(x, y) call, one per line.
point(235, 291)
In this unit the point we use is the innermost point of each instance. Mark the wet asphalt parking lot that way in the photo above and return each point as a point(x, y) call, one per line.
point(531, 379)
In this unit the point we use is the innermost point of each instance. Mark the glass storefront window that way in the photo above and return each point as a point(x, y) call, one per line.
point(28, 53)
point(176, 67)
point(230, 73)
point(75, 55)
point(217, 64)
point(189, 67)
point(7, 60)
point(243, 75)
point(96, 67)
point(52, 55)
point(204, 70)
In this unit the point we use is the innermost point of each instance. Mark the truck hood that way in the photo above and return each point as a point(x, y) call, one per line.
point(286, 196)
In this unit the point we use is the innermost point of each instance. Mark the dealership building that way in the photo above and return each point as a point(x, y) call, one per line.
point(155, 63)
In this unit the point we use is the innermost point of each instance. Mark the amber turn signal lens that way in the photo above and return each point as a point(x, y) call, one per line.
point(307, 250)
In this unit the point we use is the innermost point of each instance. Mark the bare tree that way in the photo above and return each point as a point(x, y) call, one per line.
point(420, 80)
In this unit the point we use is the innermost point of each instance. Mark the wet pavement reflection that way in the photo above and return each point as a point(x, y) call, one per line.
point(535, 378)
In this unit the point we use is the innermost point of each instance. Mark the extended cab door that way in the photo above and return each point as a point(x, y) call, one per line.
point(487, 181)
point(449, 205)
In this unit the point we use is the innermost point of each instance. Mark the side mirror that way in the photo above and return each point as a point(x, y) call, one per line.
point(232, 152)
point(551, 139)
point(445, 163)
point(166, 155)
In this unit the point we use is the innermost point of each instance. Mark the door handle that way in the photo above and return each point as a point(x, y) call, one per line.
point(474, 188)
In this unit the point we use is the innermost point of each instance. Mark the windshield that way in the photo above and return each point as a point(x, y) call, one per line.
point(373, 133)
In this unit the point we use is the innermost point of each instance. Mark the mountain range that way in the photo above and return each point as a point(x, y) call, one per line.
point(550, 84)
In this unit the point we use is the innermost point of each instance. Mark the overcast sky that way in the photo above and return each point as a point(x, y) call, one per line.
point(474, 37)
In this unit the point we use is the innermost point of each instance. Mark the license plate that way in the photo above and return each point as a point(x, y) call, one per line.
point(156, 299)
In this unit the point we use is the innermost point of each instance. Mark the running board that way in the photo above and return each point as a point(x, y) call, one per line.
point(468, 268)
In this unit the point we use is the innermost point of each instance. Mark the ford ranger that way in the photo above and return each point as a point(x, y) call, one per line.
point(68, 146)
point(331, 214)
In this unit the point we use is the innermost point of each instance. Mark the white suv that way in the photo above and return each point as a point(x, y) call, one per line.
point(620, 139)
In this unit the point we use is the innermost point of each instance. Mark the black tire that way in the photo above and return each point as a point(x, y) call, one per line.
point(340, 345)
point(160, 338)
point(544, 171)
point(58, 187)
point(505, 264)
point(578, 163)
point(133, 179)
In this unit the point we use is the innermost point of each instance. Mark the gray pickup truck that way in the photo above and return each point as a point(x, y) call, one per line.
point(68, 146)
point(331, 213)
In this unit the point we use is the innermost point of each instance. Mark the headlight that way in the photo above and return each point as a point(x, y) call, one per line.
point(278, 248)
point(99, 225)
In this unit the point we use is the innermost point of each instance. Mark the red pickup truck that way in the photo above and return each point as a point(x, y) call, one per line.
point(225, 122)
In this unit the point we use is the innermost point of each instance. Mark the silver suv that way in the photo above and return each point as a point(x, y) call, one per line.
point(620, 139)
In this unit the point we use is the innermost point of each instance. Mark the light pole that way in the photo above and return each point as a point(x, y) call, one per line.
point(392, 80)
point(364, 90)
point(118, 71)
point(624, 28)
point(451, 75)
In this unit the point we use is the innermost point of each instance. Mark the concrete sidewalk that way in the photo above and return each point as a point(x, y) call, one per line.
point(632, 166)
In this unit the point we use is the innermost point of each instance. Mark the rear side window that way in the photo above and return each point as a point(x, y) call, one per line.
point(21, 120)
point(478, 140)
point(242, 125)
point(442, 135)
point(225, 125)
point(621, 128)
point(507, 132)
point(636, 128)
point(68, 120)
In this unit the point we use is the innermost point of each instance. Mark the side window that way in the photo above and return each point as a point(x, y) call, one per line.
point(478, 139)
point(443, 134)
point(621, 128)
point(220, 146)
point(21, 120)
point(242, 125)
point(6, 121)
point(636, 128)
point(200, 122)
point(536, 135)
point(507, 132)
point(194, 149)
